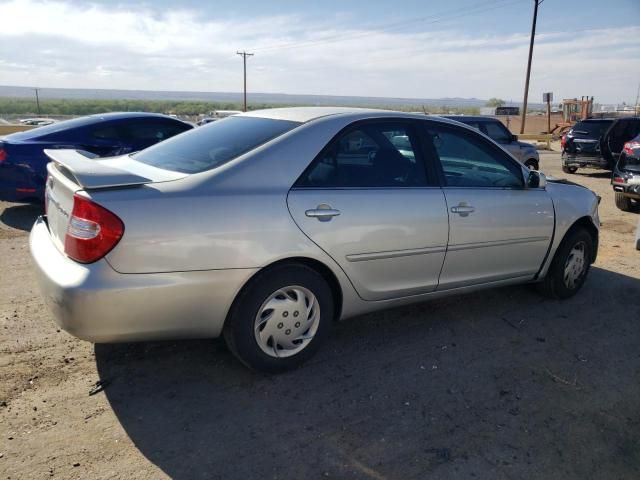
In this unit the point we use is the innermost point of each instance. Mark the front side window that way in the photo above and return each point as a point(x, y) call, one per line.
point(369, 155)
point(212, 145)
point(469, 161)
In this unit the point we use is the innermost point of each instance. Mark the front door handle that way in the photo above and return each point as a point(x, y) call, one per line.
point(322, 212)
point(463, 209)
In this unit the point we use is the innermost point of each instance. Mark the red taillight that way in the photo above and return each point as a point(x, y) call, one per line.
point(618, 180)
point(630, 146)
point(563, 141)
point(3, 155)
point(92, 232)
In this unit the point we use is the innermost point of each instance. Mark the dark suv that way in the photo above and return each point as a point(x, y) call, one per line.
point(582, 145)
point(626, 176)
point(496, 131)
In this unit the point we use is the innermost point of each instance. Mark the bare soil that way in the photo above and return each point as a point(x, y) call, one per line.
point(498, 384)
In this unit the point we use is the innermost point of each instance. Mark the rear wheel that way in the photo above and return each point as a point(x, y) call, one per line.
point(280, 318)
point(569, 169)
point(570, 266)
point(623, 203)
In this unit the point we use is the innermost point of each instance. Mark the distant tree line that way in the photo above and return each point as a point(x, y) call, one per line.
point(27, 106)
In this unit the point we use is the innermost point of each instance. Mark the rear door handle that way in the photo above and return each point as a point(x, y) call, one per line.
point(322, 212)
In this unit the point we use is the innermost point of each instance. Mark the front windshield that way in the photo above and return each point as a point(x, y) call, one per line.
point(214, 144)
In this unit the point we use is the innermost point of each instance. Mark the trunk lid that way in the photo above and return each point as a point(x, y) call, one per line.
point(71, 171)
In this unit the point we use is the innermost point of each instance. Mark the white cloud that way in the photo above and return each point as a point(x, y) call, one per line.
point(55, 44)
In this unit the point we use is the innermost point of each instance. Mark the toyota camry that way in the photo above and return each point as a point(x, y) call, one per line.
point(266, 227)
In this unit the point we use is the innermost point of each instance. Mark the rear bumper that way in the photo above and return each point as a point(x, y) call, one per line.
point(584, 161)
point(94, 302)
point(18, 184)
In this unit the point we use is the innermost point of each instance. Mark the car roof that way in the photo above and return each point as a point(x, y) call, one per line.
point(85, 121)
point(474, 118)
point(308, 114)
point(126, 115)
point(597, 120)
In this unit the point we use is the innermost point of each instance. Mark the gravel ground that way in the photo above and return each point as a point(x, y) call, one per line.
point(498, 384)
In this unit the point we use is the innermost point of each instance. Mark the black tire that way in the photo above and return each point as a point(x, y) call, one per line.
point(239, 328)
point(623, 203)
point(569, 169)
point(531, 164)
point(553, 285)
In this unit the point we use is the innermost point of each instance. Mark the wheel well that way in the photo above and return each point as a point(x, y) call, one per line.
point(316, 265)
point(587, 224)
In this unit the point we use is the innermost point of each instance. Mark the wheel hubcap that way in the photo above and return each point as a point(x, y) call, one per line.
point(575, 265)
point(287, 321)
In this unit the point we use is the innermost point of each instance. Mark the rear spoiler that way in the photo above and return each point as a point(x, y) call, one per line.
point(89, 172)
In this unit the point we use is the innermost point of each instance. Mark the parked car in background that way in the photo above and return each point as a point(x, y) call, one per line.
point(23, 163)
point(496, 131)
point(582, 145)
point(621, 131)
point(267, 226)
point(205, 120)
point(626, 176)
point(37, 121)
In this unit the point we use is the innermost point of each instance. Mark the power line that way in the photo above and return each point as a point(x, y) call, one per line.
point(427, 20)
point(244, 56)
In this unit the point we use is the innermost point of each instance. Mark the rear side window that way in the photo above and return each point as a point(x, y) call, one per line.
point(469, 161)
point(212, 145)
point(151, 131)
point(369, 155)
point(108, 132)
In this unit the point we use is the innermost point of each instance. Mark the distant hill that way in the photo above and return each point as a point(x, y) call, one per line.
point(274, 98)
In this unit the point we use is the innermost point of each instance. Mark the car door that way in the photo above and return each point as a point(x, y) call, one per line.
point(369, 202)
point(621, 131)
point(498, 228)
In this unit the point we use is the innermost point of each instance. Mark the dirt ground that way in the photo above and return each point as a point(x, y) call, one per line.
point(501, 384)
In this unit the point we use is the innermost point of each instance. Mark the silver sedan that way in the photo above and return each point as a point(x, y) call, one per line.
point(267, 226)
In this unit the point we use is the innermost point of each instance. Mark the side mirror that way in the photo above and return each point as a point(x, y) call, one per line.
point(536, 179)
point(514, 138)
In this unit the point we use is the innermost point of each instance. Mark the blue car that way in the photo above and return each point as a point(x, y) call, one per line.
point(23, 163)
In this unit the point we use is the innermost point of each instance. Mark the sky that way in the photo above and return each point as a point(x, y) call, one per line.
point(412, 49)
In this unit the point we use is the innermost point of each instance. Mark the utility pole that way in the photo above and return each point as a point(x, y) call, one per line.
point(537, 3)
point(37, 100)
point(244, 56)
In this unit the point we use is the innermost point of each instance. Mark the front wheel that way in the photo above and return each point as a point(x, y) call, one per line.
point(570, 266)
point(280, 318)
point(569, 169)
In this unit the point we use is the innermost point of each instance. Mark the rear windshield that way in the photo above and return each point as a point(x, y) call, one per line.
point(593, 129)
point(214, 144)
